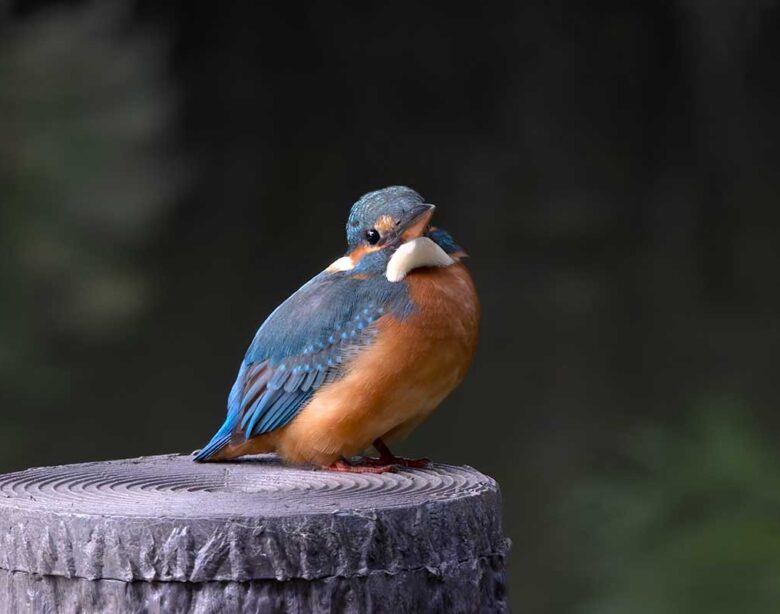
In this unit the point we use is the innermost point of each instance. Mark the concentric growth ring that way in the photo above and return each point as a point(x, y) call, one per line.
point(167, 518)
point(258, 486)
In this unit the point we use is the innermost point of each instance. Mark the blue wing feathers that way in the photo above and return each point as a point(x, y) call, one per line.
point(323, 309)
point(302, 346)
point(295, 381)
point(283, 411)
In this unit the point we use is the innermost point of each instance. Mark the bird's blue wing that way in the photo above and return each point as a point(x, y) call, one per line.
point(303, 345)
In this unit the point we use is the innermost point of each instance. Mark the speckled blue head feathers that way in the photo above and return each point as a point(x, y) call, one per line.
point(377, 214)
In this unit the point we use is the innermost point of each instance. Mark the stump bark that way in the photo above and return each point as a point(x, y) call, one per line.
point(164, 534)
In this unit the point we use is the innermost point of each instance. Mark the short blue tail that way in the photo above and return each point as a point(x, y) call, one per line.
point(225, 432)
point(219, 441)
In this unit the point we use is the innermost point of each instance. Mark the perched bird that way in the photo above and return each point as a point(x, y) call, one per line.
point(362, 353)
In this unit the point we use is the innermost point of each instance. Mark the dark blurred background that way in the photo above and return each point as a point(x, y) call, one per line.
point(169, 172)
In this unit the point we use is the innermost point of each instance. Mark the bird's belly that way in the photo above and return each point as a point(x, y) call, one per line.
point(392, 385)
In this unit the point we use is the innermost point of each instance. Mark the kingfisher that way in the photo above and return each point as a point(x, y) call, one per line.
point(362, 353)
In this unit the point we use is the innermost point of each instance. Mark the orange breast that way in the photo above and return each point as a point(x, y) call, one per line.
point(394, 384)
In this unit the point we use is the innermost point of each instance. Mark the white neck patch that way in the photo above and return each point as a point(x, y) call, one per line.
point(415, 254)
point(342, 264)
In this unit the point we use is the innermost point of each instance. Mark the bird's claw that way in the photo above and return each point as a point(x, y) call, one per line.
point(368, 464)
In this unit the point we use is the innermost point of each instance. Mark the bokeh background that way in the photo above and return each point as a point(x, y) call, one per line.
point(169, 172)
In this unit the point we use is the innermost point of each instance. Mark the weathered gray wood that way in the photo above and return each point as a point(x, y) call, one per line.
point(165, 534)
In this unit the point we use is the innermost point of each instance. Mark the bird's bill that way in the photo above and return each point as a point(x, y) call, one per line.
point(416, 222)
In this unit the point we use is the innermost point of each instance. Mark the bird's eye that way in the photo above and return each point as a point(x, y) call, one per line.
point(372, 236)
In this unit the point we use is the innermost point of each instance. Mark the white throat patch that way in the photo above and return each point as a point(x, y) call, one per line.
point(342, 264)
point(415, 254)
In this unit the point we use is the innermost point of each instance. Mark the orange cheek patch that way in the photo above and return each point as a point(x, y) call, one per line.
point(385, 224)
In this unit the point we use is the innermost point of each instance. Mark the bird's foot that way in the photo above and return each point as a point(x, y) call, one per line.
point(386, 457)
point(358, 467)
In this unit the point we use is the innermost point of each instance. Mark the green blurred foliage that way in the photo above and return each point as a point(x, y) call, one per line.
point(85, 180)
point(691, 525)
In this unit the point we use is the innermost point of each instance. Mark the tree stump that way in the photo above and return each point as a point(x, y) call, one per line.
point(165, 534)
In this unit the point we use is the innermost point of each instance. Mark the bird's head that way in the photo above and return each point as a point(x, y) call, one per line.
point(386, 218)
point(381, 223)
